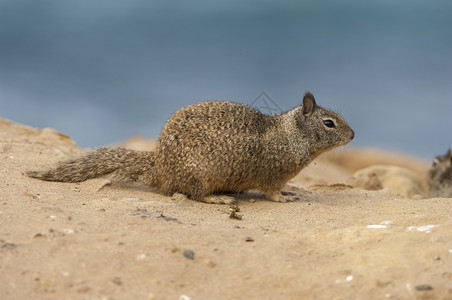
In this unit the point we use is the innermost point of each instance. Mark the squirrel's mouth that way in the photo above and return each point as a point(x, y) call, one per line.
point(352, 134)
point(347, 139)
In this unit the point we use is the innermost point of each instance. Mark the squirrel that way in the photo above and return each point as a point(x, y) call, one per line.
point(440, 176)
point(218, 147)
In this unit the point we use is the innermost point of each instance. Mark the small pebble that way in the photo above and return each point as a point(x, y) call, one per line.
point(249, 239)
point(377, 226)
point(233, 209)
point(8, 246)
point(424, 287)
point(141, 256)
point(68, 231)
point(234, 215)
point(39, 235)
point(117, 280)
point(190, 254)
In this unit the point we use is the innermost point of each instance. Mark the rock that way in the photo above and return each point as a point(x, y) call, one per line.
point(402, 181)
point(190, 254)
point(424, 287)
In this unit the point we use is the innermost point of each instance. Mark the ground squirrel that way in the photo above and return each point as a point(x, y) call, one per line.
point(219, 147)
point(440, 176)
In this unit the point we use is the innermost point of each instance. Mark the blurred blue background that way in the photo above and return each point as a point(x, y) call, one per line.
point(104, 70)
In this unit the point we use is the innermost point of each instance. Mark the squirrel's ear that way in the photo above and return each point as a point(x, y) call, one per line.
point(308, 103)
point(449, 155)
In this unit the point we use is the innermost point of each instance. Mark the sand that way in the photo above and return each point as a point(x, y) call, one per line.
point(101, 239)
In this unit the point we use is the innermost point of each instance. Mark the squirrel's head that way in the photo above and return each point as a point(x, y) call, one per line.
point(441, 165)
point(324, 128)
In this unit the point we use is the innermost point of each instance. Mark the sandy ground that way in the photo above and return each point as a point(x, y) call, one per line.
point(96, 240)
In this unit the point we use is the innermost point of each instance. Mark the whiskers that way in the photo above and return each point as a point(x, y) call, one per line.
point(331, 155)
point(323, 162)
point(326, 162)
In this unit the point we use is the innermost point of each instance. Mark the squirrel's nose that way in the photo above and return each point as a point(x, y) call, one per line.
point(352, 135)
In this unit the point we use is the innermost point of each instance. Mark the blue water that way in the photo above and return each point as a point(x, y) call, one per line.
point(102, 71)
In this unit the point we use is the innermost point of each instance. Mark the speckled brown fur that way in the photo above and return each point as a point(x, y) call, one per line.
point(220, 146)
point(440, 176)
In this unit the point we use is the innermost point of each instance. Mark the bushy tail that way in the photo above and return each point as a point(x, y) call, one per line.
point(103, 161)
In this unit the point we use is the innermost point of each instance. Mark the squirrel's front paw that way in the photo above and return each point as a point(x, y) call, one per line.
point(285, 196)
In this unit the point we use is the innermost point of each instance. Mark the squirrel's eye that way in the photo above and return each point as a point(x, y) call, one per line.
point(329, 123)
